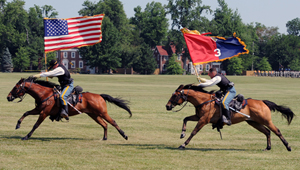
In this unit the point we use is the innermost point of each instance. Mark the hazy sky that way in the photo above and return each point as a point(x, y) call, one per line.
point(268, 12)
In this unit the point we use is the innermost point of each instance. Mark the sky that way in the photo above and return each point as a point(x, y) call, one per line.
point(271, 13)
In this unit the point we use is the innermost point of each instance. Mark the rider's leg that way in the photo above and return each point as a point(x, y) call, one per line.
point(64, 99)
point(229, 95)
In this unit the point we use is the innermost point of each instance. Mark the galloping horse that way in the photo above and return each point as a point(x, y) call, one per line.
point(92, 104)
point(207, 111)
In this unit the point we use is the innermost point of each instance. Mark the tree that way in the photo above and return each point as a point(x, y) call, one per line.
point(173, 66)
point(235, 66)
point(293, 27)
point(21, 61)
point(107, 54)
point(263, 65)
point(282, 50)
point(152, 24)
point(145, 64)
point(184, 13)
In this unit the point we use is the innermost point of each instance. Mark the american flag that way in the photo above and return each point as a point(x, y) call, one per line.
point(72, 32)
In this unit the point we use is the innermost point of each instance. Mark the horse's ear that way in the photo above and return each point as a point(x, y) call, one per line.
point(180, 87)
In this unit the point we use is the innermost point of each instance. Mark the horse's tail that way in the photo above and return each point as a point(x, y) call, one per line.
point(285, 111)
point(117, 101)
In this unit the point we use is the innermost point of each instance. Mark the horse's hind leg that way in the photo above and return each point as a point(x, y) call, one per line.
point(113, 123)
point(34, 111)
point(263, 130)
point(274, 129)
point(100, 121)
point(189, 118)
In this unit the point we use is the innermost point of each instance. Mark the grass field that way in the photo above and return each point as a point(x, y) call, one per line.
point(153, 132)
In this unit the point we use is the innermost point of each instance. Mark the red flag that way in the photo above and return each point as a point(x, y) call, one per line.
point(204, 49)
point(72, 32)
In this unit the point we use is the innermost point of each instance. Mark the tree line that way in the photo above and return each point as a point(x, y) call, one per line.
point(127, 42)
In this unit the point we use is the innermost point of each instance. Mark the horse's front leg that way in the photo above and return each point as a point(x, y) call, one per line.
point(199, 125)
point(34, 111)
point(189, 118)
point(36, 125)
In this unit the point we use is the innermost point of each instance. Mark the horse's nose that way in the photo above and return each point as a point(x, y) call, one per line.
point(10, 98)
point(168, 107)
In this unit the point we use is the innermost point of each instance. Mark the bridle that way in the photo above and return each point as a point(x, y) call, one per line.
point(178, 97)
point(21, 89)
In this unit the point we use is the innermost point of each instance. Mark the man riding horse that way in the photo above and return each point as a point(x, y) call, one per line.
point(65, 81)
point(226, 87)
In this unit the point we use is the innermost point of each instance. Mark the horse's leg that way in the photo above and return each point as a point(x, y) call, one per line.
point(199, 125)
point(36, 125)
point(34, 111)
point(99, 120)
point(263, 130)
point(189, 118)
point(274, 129)
point(113, 123)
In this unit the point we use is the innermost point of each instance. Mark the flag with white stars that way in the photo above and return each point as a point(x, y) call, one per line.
point(72, 32)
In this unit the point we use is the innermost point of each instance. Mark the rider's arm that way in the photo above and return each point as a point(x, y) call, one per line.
point(211, 82)
point(56, 72)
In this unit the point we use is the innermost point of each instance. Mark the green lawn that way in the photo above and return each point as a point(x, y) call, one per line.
point(153, 132)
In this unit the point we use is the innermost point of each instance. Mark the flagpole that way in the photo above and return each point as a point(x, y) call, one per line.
point(196, 73)
point(46, 64)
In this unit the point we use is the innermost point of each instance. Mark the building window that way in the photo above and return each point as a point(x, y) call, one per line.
point(165, 58)
point(65, 54)
point(207, 67)
point(164, 67)
point(80, 64)
point(200, 67)
point(57, 54)
point(73, 64)
point(80, 56)
point(73, 54)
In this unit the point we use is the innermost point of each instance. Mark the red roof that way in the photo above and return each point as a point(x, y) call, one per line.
point(166, 51)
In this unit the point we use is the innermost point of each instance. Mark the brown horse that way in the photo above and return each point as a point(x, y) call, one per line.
point(207, 111)
point(92, 104)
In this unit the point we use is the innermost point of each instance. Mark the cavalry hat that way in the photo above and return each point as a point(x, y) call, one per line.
point(52, 63)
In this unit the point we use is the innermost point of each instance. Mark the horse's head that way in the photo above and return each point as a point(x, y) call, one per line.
point(177, 98)
point(18, 90)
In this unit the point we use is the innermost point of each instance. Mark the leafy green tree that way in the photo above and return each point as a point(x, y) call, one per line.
point(173, 66)
point(145, 63)
point(185, 13)
point(235, 66)
point(293, 27)
point(152, 24)
point(264, 65)
point(21, 61)
point(282, 50)
point(107, 54)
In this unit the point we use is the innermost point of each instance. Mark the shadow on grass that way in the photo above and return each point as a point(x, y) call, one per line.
point(42, 138)
point(162, 146)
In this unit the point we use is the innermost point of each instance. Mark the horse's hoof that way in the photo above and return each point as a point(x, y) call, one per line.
point(126, 137)
point(182, 135)
point(289, 148)
point(17, 127)
point(25, 138)
point(104, 138)
point(181, 147)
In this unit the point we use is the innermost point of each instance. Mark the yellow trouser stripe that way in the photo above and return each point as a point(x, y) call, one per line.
point(223, 102)
point(62, 96)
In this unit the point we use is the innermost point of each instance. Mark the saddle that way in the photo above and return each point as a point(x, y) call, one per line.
point(237, 103)
point(74, 98)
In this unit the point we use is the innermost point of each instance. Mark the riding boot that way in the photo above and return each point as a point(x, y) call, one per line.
point(226, 116)
point(64, 112)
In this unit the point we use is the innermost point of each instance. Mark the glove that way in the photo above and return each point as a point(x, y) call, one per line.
point(202, 80)
point(37, 76)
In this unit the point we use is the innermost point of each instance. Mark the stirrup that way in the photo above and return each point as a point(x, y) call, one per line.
point(64, 115)
point(225, 120)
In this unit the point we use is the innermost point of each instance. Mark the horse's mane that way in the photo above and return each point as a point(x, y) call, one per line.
point(197, 88)
point(41, 82)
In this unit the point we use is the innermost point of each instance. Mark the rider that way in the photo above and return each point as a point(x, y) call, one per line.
point(226, 87)
point(65, 81)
